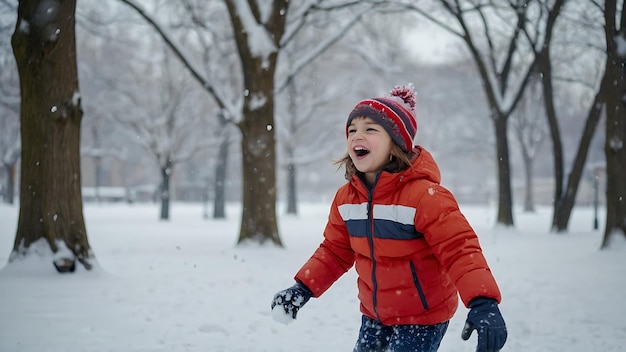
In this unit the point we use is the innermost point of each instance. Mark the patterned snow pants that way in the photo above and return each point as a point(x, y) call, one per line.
point(376, 337)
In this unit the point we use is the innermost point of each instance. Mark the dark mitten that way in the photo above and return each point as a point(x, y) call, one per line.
point(485, 317)
point(292, 299)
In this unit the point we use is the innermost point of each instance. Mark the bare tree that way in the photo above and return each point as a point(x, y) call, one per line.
point(529, 129)
point(124, 88)
point(564, 190)
point(206, 20)
point(165, 125)
point(500, 35)
point(260, 30)
point(50, 188)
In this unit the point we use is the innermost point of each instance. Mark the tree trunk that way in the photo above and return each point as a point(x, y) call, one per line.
point(544, 65)
point(9, 195)
point(563, 206)
point(292, 202)
point(219, 211)
point(166, 172)
point(294, 114)
point(505, 197)
point(565, 194)
point(259, 164)
point(529, 203)
point(50, 187)
point(97, 162)
point(615, 97)
point(97, 176)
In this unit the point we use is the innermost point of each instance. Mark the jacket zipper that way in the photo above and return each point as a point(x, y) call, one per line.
point(420, 291)
point(370, 239)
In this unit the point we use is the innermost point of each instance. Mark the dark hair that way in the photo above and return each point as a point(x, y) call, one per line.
point(400, 161)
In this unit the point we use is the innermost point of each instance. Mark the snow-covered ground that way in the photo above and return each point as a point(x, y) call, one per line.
point(183, 285)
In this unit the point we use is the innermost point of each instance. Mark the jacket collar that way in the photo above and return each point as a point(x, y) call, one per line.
point(423, 167)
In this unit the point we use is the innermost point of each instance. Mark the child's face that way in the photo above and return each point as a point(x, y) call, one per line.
point(369, 146)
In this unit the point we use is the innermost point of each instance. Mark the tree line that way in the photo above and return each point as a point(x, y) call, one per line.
point(244, 55)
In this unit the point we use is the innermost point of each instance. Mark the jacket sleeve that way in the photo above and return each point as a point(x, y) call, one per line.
point(455, 244)
point(333, 257)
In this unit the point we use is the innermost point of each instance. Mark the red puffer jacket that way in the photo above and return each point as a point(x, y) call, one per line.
point(411, 247)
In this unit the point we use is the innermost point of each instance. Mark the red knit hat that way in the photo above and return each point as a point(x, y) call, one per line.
point(396, 113)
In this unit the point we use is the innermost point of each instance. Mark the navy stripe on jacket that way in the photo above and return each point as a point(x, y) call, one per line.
point(390, 221)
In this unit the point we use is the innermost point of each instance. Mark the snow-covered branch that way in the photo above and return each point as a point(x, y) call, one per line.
point(195, 72)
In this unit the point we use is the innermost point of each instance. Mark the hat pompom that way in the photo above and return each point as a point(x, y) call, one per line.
point(406, 93)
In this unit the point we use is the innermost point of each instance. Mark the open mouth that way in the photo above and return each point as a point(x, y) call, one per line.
point(360, 151)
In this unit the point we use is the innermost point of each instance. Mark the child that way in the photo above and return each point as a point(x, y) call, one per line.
point(412, 248)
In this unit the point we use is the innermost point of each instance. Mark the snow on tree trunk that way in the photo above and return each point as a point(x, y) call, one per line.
point(50, 186)
point(257, 34)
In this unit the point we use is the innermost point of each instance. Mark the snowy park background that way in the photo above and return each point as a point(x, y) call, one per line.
point(184, 286)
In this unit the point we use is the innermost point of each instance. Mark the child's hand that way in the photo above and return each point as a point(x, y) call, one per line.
point(485, 317)
point(287, 302)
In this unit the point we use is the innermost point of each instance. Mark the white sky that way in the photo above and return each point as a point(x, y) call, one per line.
point(431, 44)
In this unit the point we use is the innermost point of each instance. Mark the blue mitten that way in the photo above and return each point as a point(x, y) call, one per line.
point(292, 299)
point(485, 317)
